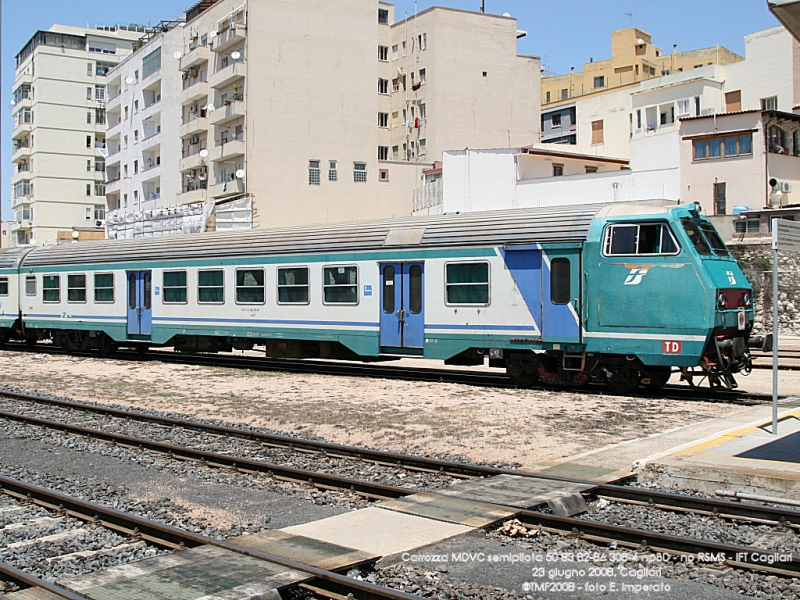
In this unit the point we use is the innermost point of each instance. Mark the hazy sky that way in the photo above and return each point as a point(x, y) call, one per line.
point(564, 34)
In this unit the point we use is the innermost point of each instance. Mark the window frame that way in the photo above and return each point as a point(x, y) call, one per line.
point(236, 286)
point(164, 286)
point(488, 283)
point(606, 249)
point(96, 288)
point(70, 288)
point(4, 282)
point(279, 286)
point(30, 279)
point(46, 289)
point(325, 286)
point(212, 287)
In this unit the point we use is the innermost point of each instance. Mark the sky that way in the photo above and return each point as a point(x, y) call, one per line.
point(565, 34)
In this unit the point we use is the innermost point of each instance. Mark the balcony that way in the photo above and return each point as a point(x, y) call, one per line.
point(229, 37)
point(227, 188)
point(229, 112)
point(194, 127)
point(22, 79)
point(21, 130)
point(23, 175)
point(113, 185)
point(193, 93)
point(151, 173)
point(226, 76)
point(23, 225)
point(194, 161)
point(150, 110)
point(191, 196)
point(151, 141)
point(21, 152)
point(228, 150)
point(25, 102)
point(194, 57)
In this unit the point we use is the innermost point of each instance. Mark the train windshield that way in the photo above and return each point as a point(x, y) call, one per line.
point(704, 237)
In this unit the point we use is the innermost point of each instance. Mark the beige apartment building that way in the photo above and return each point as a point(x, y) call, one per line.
point(282, 119)
point(634, 58)
point(58, 140)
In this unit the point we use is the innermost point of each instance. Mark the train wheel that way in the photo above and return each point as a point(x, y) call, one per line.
point(623, 381)
point(658, 379)
point(105, 345)
point(521, 376)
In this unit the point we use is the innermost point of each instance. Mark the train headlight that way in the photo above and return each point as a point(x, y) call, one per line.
point(746, 300)
point(722, 302)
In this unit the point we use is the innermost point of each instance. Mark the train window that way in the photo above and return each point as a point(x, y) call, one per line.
point(3, 286)
point(388, 289)
point(250, 286)
point(293, 285)
point(559, 281)
point(76, 288)
point(131, 290)
point(340, 285)
point(30, 285)
point(717, 245)
point(415, 289)
point(211, 287)
point(104, 287)
point(639, 239)
point(467, 283)
point(51, 288)
point(174, 287)
point(693, 231)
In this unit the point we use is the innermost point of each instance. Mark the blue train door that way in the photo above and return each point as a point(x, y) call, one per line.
point(140, 309)
point(561, 295)
point(402, 306)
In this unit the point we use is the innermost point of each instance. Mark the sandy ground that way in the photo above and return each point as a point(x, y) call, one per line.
point(491, 425)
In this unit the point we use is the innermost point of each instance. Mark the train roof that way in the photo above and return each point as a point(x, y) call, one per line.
point(11, 257)
point(521, 226)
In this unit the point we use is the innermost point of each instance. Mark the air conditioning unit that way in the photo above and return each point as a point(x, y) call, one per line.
point(192, 72)
point(708, 111)
point(786, 186)
point(194, 140)
point(233, 25)
point(100, 223)
point(184, 76)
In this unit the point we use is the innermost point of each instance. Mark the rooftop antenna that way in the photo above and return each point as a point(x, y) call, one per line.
point(630, 14)
point(483, 8)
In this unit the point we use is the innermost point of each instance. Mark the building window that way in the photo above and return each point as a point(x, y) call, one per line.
point(88, 93)
point(76, 288)
point(88, 141)
point(99, 189)
point(100, 92)
point(600, 81)
point(719, 198)
point(383, 174)
point(423, 111)
point(395, 152)
point(313, 172)
point(135, 167)
point(683, 107)
point(555, 120)
point(99, 212)
point(89, 165)
point(89, 118)
point(638, 118)
point(564, 94)
point(383, 119)
point(730, 146)
point(250, 286)
point(422, 77)
point(210, 287)
point(340, 285)
point(383, 53)
point(597, 132)
point(293, 285)
point(776, 140)
point(558, 170)
point(333, 173)
point(396, 84)
point(51, 288)
point(89, 68)
point(467, 283)
point(395, 52)
point(151, 63)
point(88, 189)
point(383, 152)
point(360, 172)
point(769, 103)
point(104, 287)
point(174, 287)
point(547, 98)
point(383, 16)
point(591, 169)
point(383, 86)
point(126, 112)
point(423, 147)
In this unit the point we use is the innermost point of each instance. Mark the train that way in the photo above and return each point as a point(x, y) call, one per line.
point(621, 294)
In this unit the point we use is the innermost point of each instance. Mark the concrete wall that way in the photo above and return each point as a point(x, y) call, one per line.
point(614, 109)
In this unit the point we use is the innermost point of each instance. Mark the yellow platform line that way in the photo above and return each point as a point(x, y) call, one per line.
point(736, 433)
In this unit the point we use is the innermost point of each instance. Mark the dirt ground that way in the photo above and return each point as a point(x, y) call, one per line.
point(488, 425)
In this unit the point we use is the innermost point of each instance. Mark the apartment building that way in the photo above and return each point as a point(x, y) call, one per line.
point(58, 140)
point(288, 120)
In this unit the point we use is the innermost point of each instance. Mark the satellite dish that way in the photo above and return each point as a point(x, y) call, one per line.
point(212, 35)
point(13, 102)
point(506, 14)
point(203, 153)
point(240, 174)
point(202, 176)
point(75, 235)
point(211, 108)
point(236, 55)
point(32, 242)
point(129, 80)
point(178, 55)
point(204, 107)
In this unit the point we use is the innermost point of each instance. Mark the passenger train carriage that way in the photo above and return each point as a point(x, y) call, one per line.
point(566, 295)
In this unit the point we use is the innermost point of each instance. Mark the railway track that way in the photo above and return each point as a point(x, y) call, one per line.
point(739, 556)
point(382, 371)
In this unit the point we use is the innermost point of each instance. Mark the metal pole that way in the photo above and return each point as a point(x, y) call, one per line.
point(774, 326)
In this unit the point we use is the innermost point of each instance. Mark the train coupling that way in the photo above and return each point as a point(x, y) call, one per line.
point(760, 342)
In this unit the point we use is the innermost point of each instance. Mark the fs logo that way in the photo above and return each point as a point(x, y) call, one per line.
point(636, 275)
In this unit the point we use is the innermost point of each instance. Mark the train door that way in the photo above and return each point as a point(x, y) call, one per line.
point(561, 295)
point(402, 323)
point(140, 309)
